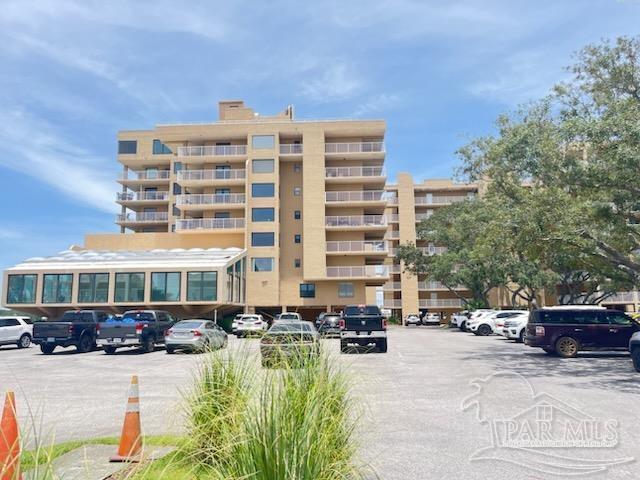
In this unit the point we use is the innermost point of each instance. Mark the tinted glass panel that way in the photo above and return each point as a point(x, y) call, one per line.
point(262, 141)
point(160, 148)
point(129, 287)
point(262, 264)
point(307, 290)
point(618, 318)
point(345, 290)
point(263, 214)
point(262, 239)
point(127, 147)
point(361, 310)
point(262, 190)
point(93, 287)
point(57, 288)
point(202, 286)
point(165, 287)
point(21, 289)
point(262, 166)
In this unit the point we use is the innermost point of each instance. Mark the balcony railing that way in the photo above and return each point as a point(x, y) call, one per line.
point(356, 196)
point(433, 285)
point(146, 175)
point(210, 199)
point(432, 250)
point(209, 223)
point(392, 286)
point(226, 174)
point(354, 147)
point(441, 200)
point(142, 217)
point(623, 297)
point(367, 271)
point(290, 149)
point(395, 269)
point(423, 216)
point(392, 303)
point(212, 151)
point(393, 217)
point(345, 172)
point(440, 303)
point(392, 199)
point(141, 196)
point(357, 246)
point(393, 234)
point(356, 221)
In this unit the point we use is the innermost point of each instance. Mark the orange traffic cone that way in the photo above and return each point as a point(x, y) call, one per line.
point(9, 441)
point(130, 449)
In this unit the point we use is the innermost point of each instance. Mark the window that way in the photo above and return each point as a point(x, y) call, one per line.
point(127, 147)
point(177, 190)
point(262, 239)
point(202, 286)
point(176, 211)
point(129, 287)
point(57, 288)
point(297, 215)
point(345, 290)
point(165, 287)
point(297, 167)
point(307, 290)
point(262, 189)
point(262, 215)
point(297, 191)
point(263, 141)
point(22, 288)
point(618, 318)
point(262, 264)
point(222, 215)
point(296, 263)
point(93, 288)
point(177, 167)
point(160, 148)
point(262, 166)
point(9, 322)
point(297, 238)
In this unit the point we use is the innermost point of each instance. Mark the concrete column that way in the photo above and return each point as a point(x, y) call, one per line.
point(407, 228)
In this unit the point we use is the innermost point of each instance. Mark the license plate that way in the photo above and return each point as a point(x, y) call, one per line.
point(117, 340)
point(51, 339)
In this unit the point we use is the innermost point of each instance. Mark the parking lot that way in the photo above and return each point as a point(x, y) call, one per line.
point(412, 423)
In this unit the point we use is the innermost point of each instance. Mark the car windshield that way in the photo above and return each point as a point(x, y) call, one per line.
point(189, 324)
point(290, 327)
point(361, 310)
point(249, 318)
point(288, 316)
point(137, 317)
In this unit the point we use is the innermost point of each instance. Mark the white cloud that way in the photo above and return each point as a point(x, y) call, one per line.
point(332, 80)
point(377, 103)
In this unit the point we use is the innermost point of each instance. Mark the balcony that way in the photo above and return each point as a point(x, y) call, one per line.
point(390, 286)
point(440, 303)
point(212, 177)
point(356, 222)
point(357, 247)
point(354, 147)
point(624, 298)
point(142, 197)
point(432, 285)
point(433, 250)
point(142, 217)
point(351, 174)
point(395, 269)
point(353, 198)
point(392, 303)
point(290, 149)
point(441, 200)
point(210, 200)
point(423, 216)
point(365, 272)
point(393, 235)
point(145, 177)
point(213, 151)
point(198, 224)
point(393, 218)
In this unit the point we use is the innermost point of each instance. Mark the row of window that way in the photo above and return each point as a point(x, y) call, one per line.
point(130, 147)
point(267, 239)
point(308, 290)
point(129, 287)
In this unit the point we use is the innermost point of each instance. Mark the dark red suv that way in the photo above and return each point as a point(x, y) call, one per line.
point(568, 329)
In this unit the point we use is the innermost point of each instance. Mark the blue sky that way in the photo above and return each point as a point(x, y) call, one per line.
point(75, 72)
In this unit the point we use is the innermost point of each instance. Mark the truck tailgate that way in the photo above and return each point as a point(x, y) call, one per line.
point(51, 329)
point(117, 330)
point(364, 323)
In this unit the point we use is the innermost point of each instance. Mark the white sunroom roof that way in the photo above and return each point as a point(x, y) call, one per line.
point(144, 259)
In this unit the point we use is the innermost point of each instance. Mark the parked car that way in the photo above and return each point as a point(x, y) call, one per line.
point(412, 319)
point(431, 319)
point(473, 316)
point(567, 330)
point(250, 323)
point(328, 323)
point(136, 328)
point(76, 328)
point(515, 327)
point(195, 335)
point(16, 331)
point(460, 319)
point(486, 324)
point(288, 317)
point(364, 326)
point(634, 349)
point(288, 342)
point(234, 323)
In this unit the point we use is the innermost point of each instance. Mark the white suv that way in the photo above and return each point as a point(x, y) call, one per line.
point(514, 327)
point(16, 331)
point(475, 317)
point(250, 323)
point(487, 324)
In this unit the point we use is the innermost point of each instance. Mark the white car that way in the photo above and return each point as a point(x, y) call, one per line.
point(250, 323)
point(431, 318)
point(458, 318)
point(474, 317)
point(412, 319)
point(288, 317)
point(16, 331)
point(234, 323)
point(487, 324)
point(515, 327)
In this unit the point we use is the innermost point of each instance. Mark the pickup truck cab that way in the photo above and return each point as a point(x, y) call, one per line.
point(16, 331)
point(75, 328)
point(364, 326)
point(136, 328)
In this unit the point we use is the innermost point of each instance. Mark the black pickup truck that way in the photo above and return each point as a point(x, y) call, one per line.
point(363, 326)
point(75, 327)
point(136, 328)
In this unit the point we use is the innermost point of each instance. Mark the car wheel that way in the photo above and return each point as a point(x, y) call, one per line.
point(85, 344)
point(25, 341)
point(110, 350)
point(170, 350)
point(635, 356)
point(148, 344)
point(463, 326)
point(567, 347)
point(47, 348)
point(484, 330)
point(382, 345)
point(521, 337)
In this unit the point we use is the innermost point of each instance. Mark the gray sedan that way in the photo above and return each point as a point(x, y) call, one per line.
point(195, 335)
point(289, 341)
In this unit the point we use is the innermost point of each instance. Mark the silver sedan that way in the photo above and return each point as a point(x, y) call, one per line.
point(195, 335)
